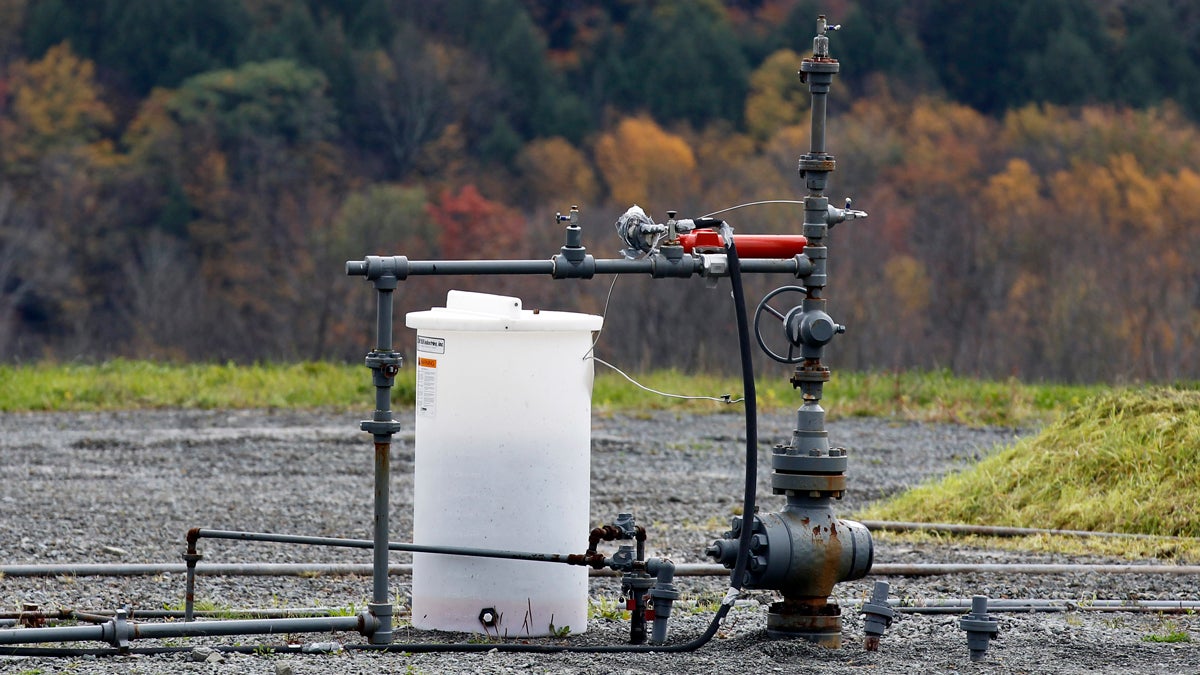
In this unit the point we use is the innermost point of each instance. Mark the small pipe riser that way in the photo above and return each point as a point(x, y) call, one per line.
point(980, 628)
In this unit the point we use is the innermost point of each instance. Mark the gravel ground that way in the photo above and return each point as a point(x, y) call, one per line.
point(125, 487)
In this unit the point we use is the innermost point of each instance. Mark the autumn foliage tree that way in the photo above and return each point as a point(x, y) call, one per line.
point(185, 180)
point(473, 227)
point(638, 158)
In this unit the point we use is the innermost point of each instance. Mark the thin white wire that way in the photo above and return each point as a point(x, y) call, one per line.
point(603, 315)
point(739, 206)
point(590, 354)
point(727, 398)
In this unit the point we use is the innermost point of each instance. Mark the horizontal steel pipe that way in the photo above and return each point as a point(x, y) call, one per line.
point(1000, 531)
point(961, 605)
point(264, 570)
point(101, 615)
point(272, 537)
point(682, 570)
point(659, 265)
point(934, 569)
point(478, 267)
point(105, 632)
point(565, 558)
point(15, 636)
point(214, 570)
point(248, 627)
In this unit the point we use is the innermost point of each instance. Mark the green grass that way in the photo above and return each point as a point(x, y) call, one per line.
point(934, 396)
point(1170, 632)
point(1127, 461)
point(124, 385)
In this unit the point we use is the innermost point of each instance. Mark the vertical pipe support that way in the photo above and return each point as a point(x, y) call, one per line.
point(384, 363)
point(190, 557)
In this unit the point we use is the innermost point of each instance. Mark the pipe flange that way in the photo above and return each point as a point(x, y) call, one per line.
point(815, 620)
point(819, 464)
point(118, 632)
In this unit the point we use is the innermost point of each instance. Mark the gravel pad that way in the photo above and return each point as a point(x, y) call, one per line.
point(126, 487)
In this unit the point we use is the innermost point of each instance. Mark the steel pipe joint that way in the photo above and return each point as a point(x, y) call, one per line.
point(801, 551)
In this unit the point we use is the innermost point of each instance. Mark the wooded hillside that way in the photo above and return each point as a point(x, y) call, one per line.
point(185, 179)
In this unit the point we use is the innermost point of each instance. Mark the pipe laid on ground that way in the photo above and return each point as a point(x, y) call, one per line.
point(1007, 605)
point(945, 606)
point(111, 633)
point(908, 606)
point(1001, 531)
point(216, 570)
point(100, 615)
point(682, 570)
point(936, 569)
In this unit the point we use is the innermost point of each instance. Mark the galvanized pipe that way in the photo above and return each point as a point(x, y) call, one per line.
point(925, 570)
point(960, 605)
point(1001, 531)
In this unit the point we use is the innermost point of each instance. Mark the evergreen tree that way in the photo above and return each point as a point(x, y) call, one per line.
point(969, 47)
point(1063, 47)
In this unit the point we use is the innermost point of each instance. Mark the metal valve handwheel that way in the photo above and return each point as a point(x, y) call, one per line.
point(786, 319)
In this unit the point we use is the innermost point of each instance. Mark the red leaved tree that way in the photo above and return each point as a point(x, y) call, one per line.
point(471, 226)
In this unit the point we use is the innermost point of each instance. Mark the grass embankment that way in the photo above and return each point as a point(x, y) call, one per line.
point(1122, 462)
point(123, 385)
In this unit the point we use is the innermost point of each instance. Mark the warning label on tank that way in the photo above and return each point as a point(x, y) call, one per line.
point(426, 387)
point(431, 345)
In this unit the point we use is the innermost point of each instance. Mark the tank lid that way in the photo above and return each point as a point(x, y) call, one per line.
point(467, 311)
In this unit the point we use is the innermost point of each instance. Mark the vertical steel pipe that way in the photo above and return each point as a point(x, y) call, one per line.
point(381, 605)
point(384, 363)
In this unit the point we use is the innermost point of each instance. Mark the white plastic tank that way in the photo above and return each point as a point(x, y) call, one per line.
point(503, 441)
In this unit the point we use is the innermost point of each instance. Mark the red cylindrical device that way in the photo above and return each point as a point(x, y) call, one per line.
point(775, 246)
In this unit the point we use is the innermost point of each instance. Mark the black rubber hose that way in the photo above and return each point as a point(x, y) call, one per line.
point(738, 576)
